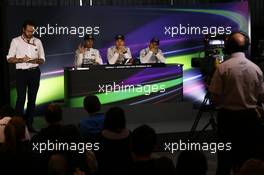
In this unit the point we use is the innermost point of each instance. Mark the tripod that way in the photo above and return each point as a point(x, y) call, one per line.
point(204, 108)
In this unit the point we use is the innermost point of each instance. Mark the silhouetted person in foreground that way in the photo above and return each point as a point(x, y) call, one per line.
point(93, 124)
point(15, 153)
point(143, 142)
point(252, 166)
point(114, 155)
point(191, 163)
point(51, 133)
point(6, 114)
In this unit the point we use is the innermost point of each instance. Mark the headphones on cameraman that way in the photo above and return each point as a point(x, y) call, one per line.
point(231, 46)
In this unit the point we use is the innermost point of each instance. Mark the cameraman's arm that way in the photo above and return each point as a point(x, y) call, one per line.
point(260, 88)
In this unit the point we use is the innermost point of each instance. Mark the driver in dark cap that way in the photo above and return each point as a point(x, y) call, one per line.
point(152, 54)
point(119, 54)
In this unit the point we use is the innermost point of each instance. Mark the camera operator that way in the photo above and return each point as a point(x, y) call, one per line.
point(235, 87)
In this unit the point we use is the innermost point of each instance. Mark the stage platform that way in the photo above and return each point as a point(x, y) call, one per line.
point(164, 118)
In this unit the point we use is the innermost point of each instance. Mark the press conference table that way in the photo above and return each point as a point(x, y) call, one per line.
point(166, 80)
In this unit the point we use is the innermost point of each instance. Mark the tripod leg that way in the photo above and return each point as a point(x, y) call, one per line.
point(213, 123)
point(203, 130)
point(199, 115)
point(196, 121)
point(206, 126)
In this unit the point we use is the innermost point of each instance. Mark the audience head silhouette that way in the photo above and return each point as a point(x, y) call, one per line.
point(115, 120)
point(251, 167)
point(53, 114)
point(92, 104)
point(143, 140)
point(191, 162)
point(14, 133)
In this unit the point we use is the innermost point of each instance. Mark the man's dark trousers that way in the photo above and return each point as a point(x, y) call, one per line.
point(27, 84)
point(242, 129)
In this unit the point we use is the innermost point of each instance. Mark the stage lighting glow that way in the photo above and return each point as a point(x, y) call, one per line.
point(50, 89)
point(183, 59)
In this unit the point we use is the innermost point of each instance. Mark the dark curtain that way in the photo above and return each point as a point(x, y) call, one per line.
point(4, 81)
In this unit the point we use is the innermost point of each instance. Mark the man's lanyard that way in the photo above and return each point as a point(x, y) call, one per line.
point(28, 42)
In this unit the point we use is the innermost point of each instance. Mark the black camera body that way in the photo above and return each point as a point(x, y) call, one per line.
point(213, 55)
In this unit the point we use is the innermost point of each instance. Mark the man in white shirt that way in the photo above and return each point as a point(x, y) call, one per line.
point(119, 54)
point(86, 54)
point(235, 87)
point(152, 54)
point(27, 53)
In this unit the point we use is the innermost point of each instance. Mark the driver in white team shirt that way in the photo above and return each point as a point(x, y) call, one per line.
point(119, 53)
point(152, 54)
point(86, 54)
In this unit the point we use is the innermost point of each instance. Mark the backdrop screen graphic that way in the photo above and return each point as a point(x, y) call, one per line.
point(180, 29)
point(137, 84)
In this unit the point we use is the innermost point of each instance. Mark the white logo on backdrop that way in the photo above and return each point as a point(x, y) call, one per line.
point(90, 2)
